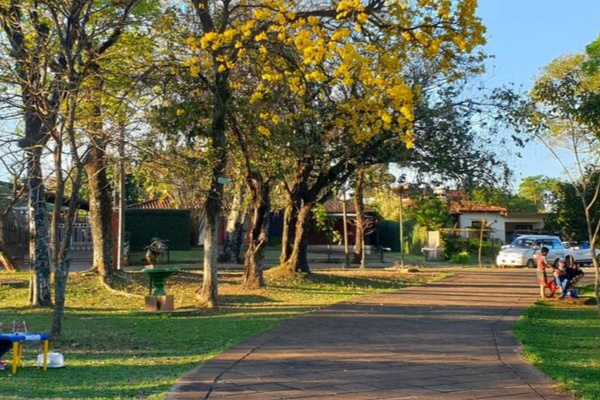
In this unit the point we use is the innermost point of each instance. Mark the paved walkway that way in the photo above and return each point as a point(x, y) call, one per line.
point(449, 340)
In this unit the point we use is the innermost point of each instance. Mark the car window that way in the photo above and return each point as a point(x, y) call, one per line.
point(557, 244)
point(523, 243)
point(548, 243)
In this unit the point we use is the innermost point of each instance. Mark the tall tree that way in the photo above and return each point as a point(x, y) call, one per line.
point(556, 114)
point(319, 34)
point(85, 31)
point(536, 189)
point(32, 50)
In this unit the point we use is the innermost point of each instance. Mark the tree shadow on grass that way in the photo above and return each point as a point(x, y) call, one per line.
point(99, 381)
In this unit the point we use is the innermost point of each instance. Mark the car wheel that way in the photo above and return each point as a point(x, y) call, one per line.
point(530, 263)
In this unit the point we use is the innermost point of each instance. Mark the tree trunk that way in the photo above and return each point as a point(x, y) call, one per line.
point(290, 218)
point(37, 134)
point(5, 260)
point(233, 234)
point(359, 209)
point(61, 272)
point(259, 234)
point(481, 231)
point(239, 240)
point(99, 186)
point(298, 262)
point(100, 206)
point(592, 235)
point(209, 291)
point(59, 192)
point(39, 255)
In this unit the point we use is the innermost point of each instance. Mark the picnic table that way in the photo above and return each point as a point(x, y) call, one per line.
point(17, 340)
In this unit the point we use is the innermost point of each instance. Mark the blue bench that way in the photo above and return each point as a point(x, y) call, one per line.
point(17, 340)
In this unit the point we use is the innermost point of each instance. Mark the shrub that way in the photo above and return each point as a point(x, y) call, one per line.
point(460, 258)
point(454, 244)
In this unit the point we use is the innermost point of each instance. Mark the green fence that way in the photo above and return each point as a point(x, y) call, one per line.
point(143, 225)
point(389, 235)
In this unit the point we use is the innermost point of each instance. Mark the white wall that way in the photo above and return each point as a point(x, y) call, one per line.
point(495, 221)
point(498, 222)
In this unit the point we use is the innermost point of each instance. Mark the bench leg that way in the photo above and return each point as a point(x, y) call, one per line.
point(20, 354)
point(15, 357)
point(45, 352)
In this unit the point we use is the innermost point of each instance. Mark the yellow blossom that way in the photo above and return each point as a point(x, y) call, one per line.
point(263, 130)
point(256, 96)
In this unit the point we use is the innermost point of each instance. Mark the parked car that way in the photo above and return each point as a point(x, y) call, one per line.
point(524, 250)
point(579, 252)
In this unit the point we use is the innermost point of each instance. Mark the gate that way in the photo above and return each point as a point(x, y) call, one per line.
point(81, 237)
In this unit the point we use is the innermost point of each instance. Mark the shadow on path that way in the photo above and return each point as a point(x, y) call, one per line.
point(446, 341)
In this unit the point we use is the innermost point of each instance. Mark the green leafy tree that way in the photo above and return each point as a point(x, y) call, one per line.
point(556, 114)
point(498, 197)
point(566, 216)
point(431, 213)
point(536, 189)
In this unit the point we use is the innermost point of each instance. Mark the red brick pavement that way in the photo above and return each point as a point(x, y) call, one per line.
point(449, 340)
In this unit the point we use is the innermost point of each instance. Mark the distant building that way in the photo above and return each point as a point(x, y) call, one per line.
point(504, 224)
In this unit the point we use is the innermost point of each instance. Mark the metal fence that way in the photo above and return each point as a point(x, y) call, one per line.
point(316, 254)
point(15, 232)
point(15, 229)
point(81, 237)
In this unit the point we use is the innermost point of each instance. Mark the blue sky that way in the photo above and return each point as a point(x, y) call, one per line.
point(524, 36)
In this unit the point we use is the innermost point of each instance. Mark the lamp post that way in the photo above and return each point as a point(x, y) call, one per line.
point(402, 187)
point(121, 237)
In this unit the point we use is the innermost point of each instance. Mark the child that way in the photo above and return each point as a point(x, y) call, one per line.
point(543, 280)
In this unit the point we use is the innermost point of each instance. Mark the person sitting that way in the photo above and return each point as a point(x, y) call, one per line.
point(574, 274)
point(542, 266)
point(561, 278)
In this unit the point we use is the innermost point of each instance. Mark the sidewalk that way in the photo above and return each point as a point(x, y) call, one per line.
point(449, 340)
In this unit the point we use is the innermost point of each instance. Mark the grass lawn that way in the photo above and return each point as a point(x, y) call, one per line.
point(563, 340)
point(114, 351)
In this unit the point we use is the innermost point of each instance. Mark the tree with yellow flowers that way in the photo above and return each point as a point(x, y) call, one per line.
point(352, 49)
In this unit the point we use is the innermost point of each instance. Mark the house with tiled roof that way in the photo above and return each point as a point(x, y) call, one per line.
point(505, 225)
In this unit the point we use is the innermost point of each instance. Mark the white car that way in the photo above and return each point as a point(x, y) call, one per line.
point(578, 253)
point(524, 250)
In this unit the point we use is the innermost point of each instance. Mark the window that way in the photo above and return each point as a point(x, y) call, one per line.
point(524, 227)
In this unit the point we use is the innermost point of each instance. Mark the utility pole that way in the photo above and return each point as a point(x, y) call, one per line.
point(401, 223)
point(345, 221)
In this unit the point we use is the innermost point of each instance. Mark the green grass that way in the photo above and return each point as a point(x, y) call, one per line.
point(563, 340)
point(114, 351)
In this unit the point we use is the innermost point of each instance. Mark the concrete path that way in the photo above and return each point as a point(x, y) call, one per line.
point(449, 340)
